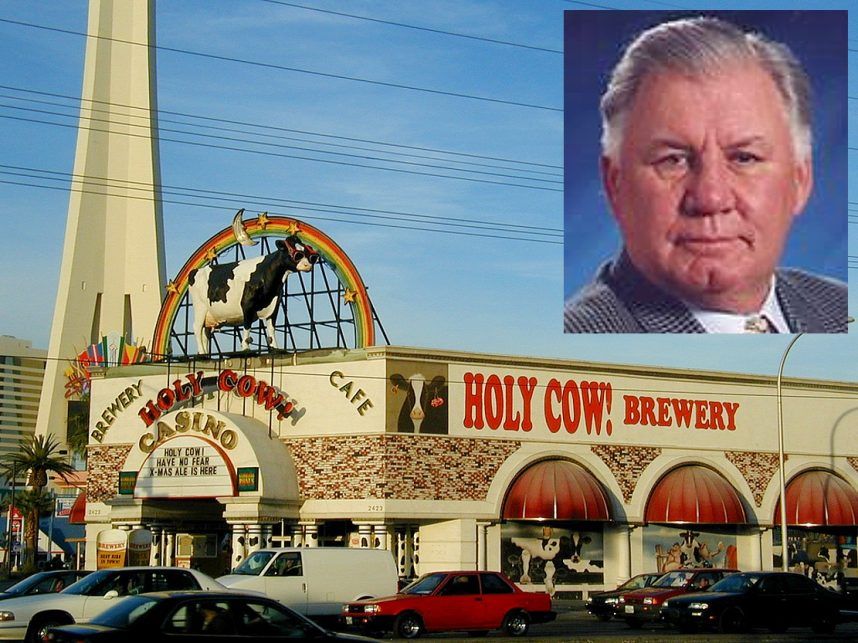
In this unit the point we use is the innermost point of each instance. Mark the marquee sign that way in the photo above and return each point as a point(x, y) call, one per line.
point(187, 466)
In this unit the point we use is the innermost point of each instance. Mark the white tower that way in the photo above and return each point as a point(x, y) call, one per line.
point(112, 273)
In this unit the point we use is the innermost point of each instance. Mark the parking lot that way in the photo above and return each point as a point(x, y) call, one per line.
point(575, 624)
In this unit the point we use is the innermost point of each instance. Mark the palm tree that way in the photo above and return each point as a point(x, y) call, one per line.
point(37, 455)
point(33, 505)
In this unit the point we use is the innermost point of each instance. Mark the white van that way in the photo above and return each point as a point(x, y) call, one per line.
point(316, 580)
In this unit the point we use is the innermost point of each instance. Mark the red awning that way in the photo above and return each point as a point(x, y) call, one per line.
point(819, 498)
point(77, 515)
point(556, 490)
point(697, 495)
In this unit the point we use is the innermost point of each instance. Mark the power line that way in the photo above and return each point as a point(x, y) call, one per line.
point(290, 156)
point(243, 198)
point(232, 139)
point(418, 28)
point(298, 70)
point(216, 128)
point(146, 111)
point(220, 207)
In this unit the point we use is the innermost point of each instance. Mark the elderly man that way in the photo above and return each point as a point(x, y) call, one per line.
point(706, 161)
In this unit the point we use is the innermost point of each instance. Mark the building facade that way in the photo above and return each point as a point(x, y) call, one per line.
point(566, 475)
point(22, 369)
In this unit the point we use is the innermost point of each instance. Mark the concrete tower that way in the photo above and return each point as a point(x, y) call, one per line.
point(112, 273)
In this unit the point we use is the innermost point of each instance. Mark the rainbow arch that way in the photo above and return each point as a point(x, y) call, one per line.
point(264, 226)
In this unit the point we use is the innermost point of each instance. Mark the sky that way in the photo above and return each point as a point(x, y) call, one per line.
point(465, 112)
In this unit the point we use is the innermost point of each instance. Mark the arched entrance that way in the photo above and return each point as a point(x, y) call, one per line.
point(553, 530)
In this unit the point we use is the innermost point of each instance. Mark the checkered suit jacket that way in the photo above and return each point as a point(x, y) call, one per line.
point(621, 300)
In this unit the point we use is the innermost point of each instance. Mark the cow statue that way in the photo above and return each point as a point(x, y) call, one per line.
point(240, 292)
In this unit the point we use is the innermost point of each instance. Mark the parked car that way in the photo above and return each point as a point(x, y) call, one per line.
point(316, 581)
point(196, 616)
point(44, 583)
point(30, 617)
point(450, 602)
point(644, 605)
point(604, 604)
point(776, 600)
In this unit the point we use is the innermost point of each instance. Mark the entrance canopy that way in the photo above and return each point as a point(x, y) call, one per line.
point(697, 495)
point(819, 498)
point(77, 515)
point(556, 490)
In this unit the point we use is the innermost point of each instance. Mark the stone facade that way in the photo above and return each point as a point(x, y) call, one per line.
point(756, 468)
point(626, 463)
point(408, 467)
point(104, 463)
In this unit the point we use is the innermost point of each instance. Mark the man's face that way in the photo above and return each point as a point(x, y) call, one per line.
point(705, 184)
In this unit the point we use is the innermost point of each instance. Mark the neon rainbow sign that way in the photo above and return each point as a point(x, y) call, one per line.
point(263, 225)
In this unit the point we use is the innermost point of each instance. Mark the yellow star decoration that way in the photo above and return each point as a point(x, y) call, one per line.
point(349, 295)
point(210, 255)
point(262, 219)
point(172, 288)
point(293, 228)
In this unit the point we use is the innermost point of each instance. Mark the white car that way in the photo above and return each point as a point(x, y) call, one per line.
point(29, 617)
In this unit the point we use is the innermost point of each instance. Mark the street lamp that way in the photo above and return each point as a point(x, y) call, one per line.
point(781, 457)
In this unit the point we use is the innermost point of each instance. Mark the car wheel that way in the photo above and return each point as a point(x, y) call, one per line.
point(732, 620)
point(38, 630)
point(516, 623)
point(408, 626)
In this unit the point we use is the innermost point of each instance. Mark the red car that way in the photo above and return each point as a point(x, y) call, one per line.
point(452, 601)
point(644, 605)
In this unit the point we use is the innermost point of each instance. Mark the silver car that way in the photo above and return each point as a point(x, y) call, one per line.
point(30, 617)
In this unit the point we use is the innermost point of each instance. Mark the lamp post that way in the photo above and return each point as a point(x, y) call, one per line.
point(781, 456)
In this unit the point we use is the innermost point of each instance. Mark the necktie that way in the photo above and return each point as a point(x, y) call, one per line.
point(759, 324)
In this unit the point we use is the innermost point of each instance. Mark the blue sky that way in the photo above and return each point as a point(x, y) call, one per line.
point(447, 290)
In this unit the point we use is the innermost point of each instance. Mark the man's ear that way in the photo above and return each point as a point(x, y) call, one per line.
point(803, 182)
point(610, 180)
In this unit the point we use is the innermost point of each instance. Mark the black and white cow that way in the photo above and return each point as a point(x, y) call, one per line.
point(240, 292)
point(424, 409)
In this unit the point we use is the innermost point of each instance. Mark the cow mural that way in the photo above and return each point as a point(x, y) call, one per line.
point(242, 292)
point(690, 551)
point(424, 409)
point(554, 557)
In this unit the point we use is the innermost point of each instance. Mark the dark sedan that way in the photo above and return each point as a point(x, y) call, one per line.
point(196, 616)
point(44, 583)
point(603, 604)
point(739, 602)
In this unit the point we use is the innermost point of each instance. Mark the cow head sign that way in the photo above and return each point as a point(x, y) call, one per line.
point(241, 292)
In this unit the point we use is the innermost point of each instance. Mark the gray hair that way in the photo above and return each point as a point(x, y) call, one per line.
point(700, 46)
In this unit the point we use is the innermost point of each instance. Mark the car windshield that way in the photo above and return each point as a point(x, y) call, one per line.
point(125, 613)
point(254, 564)
point(673, 579)
point(88, 584)
point(636, 582)
point(22, 586)
point(735, 584)
point(424, 585)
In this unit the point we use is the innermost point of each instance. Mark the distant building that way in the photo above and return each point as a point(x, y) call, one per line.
point(22, 370)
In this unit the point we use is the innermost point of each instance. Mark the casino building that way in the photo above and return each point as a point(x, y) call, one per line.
point(567, 475)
